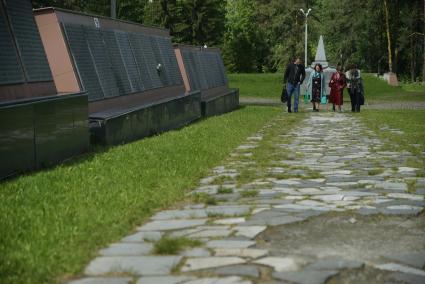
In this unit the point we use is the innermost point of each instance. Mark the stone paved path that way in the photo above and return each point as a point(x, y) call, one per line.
point(323, 204)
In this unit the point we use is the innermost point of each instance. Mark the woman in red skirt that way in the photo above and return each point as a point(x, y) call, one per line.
point(337, 84)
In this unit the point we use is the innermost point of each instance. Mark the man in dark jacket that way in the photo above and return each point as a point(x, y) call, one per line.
point(294, 77)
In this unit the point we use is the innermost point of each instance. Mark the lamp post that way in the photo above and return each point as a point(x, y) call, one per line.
point(305, 44)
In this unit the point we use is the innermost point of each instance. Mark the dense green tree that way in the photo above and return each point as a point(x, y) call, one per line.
point(263, 35)
point(244, 43)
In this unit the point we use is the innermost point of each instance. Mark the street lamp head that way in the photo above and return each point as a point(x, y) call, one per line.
point(302, 10)
point(308, 12)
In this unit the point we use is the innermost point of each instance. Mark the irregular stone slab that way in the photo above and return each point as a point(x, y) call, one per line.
point(227, 280)
point(139, 265)
point(406, 196)
point(400, 268)
point(180, 214)
point(249, 231)
point(287, 182)
point(300, 207)
point(151, 236)
point(398, 186)
point(336, 172)
point(229, 244)
point(102, 280)
point(185, 232)
point(199, 263)
point(258, 210)
point(229, 221)
point(231, 210)
point(245, 253)
point(295, 197)
point(334, 263)
point(310, 191)
point(164, 279)
point(306, 277)
point(196, 252)
point(402, 209)
point(311, 203)
point(166, 225)
point(406, 170)
point(358, 193)
point(413, 259)
point(280, 263)
point(211, 233)
point(241, 270)
point(343, 184)
point(408, 278)
point(331, 197)
point(123, 249)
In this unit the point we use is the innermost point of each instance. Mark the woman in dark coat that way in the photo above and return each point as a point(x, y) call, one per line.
point(316, 86)
point(337, 84)
point(355, 87)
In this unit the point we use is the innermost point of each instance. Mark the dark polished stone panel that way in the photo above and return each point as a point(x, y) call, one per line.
point(129, 62)
point(16, 139)
point(42, 132)
point(221, 103)
point(29, 42)
point(102, 62)
point(145, 120)
point(10, 71)
point(83, 61)
point(117, 64)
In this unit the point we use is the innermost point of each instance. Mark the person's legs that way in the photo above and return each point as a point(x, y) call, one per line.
point(357, 107)
point(352, 99)
point(296, 97)
point(290, 91)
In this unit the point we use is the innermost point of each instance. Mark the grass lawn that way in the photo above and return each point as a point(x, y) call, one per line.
point(261, 85)
point(411, 122)
point(269, 85)
point(378, 90)
point(54, 221)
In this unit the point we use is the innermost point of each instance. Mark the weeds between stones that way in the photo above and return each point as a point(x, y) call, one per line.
point(169, 245)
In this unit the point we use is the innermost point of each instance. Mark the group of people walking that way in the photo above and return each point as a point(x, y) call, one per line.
point(317, 90)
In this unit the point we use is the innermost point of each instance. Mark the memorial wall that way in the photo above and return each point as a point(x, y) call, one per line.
point(203, 70)
point(38, 126)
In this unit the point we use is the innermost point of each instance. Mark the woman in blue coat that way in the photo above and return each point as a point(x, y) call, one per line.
point(316, 86)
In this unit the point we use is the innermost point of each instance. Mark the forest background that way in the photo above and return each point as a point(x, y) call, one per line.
point(263, 35)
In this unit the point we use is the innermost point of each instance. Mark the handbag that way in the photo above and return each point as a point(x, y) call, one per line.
point(284, 95)
point(306, 97)
point(323, 100)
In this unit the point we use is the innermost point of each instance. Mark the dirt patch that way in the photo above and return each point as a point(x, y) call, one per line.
point(350, 236)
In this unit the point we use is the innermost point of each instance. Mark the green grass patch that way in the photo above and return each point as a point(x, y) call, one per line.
point(54, 221)
point(375, 172)
point(201, 197)
point(223, 190)
point(169, 245)
point(264, 85)
point(411, 122)
point(269, 85)
point(377, 90)
point(249, 193)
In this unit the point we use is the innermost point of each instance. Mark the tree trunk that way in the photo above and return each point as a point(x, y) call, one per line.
point(387, 22)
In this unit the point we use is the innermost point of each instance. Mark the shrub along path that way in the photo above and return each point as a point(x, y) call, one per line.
point(329, 201)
